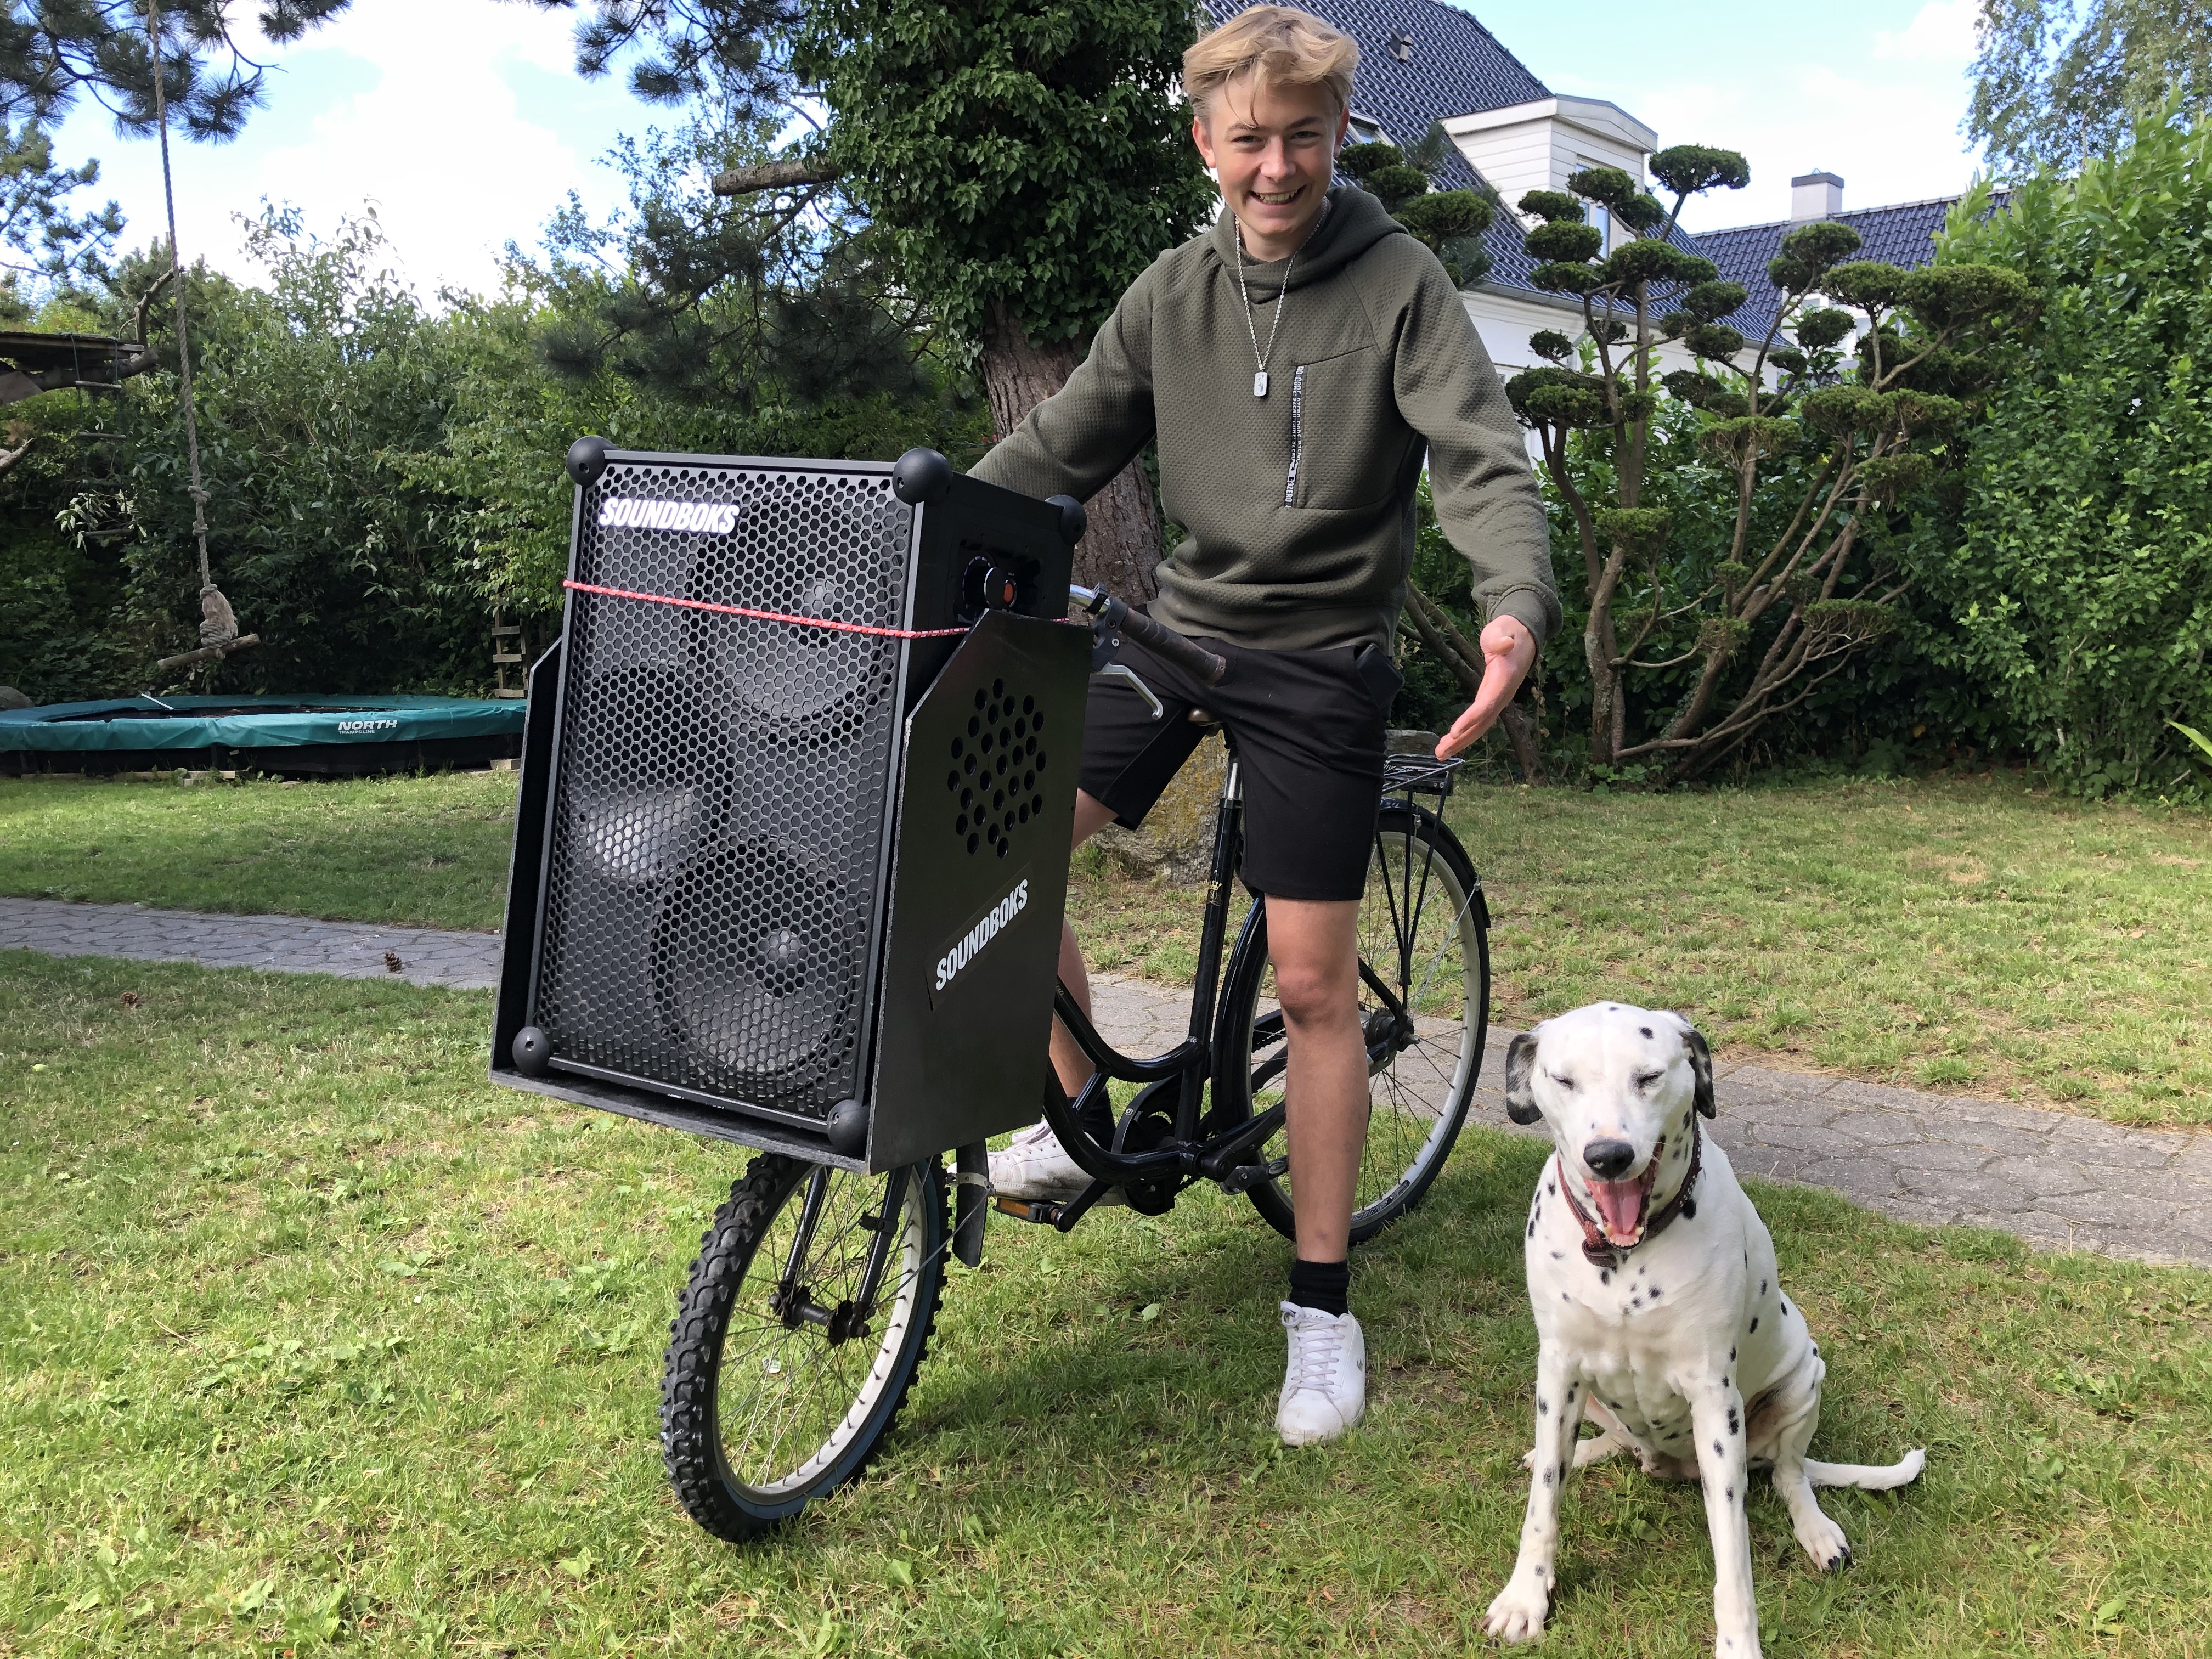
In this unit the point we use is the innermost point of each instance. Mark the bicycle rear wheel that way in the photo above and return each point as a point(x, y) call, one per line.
point(1424, 1003)
point(779, 1386)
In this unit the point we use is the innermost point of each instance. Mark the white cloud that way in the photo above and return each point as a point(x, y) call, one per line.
point(438, 143)
point(461, 120)
point(1941, 33)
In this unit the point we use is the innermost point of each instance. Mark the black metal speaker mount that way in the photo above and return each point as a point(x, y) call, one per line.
point(798, 786)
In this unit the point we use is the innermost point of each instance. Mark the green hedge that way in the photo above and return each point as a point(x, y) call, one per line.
point(2066, 593)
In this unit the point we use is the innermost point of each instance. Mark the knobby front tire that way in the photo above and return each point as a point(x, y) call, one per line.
point(762, 1411)
point(1419, 1096)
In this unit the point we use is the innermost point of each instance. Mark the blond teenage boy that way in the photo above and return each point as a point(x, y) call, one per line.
point(1294, 364)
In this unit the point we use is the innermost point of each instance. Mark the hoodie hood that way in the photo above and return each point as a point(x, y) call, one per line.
point(1353, 223)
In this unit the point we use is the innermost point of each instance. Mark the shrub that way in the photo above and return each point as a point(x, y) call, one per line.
point(2067, 584)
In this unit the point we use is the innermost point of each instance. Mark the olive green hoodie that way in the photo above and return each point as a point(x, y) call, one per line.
point(1299, 506)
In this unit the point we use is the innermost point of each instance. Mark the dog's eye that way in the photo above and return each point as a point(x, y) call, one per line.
point(1646, 1079)
point(1566, 1083)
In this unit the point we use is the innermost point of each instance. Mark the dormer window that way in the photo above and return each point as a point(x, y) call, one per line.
point(1401, 47)
point(1366, 130)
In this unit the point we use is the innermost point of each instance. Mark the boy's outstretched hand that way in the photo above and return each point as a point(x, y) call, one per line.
point(1509, 651)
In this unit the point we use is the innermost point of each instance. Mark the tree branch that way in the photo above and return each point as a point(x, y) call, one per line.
point(773, 175)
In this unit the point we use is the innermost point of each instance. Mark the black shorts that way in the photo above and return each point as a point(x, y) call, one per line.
point(1309, 743)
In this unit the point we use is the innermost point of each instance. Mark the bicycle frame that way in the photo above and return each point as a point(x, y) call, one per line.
point(1150, 1175)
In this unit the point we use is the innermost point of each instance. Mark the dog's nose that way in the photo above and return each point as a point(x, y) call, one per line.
point(1609, 1159)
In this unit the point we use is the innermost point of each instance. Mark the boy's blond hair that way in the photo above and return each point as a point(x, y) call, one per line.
point(1280, 45)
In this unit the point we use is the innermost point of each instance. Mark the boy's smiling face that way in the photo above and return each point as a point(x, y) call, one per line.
point(1273, 149)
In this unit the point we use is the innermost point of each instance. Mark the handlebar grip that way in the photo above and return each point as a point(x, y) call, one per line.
point(1163, 641)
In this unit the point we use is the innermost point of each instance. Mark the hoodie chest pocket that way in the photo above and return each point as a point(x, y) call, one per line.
point(1344, 425)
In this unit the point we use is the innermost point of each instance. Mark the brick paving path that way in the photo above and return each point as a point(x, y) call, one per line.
point(2053, 1178)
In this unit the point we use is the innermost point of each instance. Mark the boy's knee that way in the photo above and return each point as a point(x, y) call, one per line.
point(1313, 993)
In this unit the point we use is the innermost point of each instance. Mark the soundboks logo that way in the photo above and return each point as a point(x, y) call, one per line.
point(702, 518)
point(973, 941)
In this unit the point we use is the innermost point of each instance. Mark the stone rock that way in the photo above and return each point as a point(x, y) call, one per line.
point(1176, 843)
point(11, 698)
point(1399, 742)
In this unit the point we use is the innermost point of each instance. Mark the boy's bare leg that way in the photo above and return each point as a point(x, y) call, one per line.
point(1314, 944)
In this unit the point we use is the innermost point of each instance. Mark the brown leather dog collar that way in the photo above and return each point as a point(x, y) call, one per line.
point(1599, 1251)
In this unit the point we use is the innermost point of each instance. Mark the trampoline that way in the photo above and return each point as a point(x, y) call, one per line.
point(287, 736)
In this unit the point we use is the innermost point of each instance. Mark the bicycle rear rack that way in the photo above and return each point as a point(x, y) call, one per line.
point(1407, 775)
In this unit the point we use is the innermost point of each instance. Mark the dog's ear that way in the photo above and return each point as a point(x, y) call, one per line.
point(1701, 1064)
point(1520, 1074)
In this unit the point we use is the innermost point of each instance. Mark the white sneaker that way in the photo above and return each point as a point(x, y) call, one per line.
point(1325, 1384)
point(1035, 1165)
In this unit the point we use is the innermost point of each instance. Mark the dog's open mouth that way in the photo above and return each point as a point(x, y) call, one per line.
point(1624, 1206)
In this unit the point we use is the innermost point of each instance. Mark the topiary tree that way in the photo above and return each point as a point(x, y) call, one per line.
point(1710, 648)
point(1449, 224)
point(1026, 160)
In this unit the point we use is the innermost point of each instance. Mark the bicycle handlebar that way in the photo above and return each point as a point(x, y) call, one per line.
point(1156, 637)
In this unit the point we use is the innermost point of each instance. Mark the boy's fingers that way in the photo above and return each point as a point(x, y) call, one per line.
point(1508, 651)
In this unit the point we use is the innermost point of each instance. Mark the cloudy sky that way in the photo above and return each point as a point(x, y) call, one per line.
point(464, 124)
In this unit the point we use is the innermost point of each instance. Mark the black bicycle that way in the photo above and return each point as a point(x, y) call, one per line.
point(810, 1305)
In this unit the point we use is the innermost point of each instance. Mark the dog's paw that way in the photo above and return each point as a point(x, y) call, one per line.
point(1825, 1542)
point(1517, 1614)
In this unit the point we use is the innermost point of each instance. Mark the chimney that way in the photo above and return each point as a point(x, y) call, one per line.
point(1815, 196)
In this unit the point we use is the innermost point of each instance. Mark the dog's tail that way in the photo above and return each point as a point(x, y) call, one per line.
point(1869, 1477)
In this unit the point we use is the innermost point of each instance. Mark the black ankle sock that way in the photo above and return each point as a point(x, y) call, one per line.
point(1324, 1286)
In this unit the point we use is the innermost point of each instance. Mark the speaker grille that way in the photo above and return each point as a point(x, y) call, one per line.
point(717, 826)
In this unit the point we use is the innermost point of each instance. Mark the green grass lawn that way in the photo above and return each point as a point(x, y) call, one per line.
point(1966, 936)
point(312, 1335)
point(427, 851)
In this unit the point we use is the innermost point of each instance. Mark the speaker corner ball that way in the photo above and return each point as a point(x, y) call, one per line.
point(920, 476)
point(532, 1051)
point(1073, 518)
point(587, 458)
point(847, 1128)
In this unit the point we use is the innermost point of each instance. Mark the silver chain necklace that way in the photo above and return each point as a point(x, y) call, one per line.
point(1282, 302)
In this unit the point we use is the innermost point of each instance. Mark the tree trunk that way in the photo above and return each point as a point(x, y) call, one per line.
point(1122, 548)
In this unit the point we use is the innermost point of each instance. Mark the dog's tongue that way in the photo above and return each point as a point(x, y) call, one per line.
point(1620, 1208)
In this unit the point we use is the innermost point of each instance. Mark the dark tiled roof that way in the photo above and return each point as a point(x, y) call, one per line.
point(1903, 234)
point(1456, 67)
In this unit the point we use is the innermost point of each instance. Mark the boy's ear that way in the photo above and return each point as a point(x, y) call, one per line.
point(1520, 1078)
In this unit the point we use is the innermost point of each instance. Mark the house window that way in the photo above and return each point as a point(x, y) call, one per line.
point(1366, 130)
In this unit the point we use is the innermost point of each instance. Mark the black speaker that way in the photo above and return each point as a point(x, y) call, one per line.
point(799, 779)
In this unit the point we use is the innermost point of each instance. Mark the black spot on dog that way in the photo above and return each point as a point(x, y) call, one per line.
point(1646, 1029)
point(1731, 1353)
point(1689, 1209)
point(1559, 1255)
point(1564, 1296)
point(1532, 1226)
point(1551, 1186)
point(1571, 1387)
point(1734, 1427)
point(1728, 1493)
point(1754, 1324)
point(1604, 1275)
point(1717, 1452)
point(1547, 1477)
point(1762, 1287)
point(1543, 1407)
point(1654, 1292)
point(1635, 1301)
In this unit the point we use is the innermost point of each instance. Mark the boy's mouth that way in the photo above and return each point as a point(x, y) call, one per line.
point(1277, 197)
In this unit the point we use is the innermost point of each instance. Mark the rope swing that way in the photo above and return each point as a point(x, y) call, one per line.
point(219, 635)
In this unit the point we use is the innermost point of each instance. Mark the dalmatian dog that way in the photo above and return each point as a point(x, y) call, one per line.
point(1658, 1310)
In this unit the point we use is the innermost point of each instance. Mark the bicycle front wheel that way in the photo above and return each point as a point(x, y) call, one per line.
point(1423, 1004)
point(783, 1376)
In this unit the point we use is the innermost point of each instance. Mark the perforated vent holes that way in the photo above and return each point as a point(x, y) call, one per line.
point(718, 826)
point(992, 778)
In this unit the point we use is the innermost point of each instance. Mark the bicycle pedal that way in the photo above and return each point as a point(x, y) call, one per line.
point(1043, 1212)
point(1246, 1177)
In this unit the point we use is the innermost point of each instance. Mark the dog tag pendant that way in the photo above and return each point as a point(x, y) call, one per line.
point(1260, 384)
